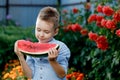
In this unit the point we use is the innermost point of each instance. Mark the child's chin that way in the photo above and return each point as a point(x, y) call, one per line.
point(43, 41)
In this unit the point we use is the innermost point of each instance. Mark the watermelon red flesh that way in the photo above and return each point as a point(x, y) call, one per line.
point(34, 48)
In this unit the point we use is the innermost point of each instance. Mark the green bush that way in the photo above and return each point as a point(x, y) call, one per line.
point(96, 61)
point(8, 36)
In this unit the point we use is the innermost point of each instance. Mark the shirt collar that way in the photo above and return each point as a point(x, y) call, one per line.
point(52, 40)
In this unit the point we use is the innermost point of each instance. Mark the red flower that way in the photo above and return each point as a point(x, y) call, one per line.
point(98, 24)
point(107, 10)
point(110, 24)
point(68, 76)
point(99, 18)
point(75, 75)
point(69, 27)
point(101, 39)
point(65, 11)
point(103, 22)
point(118, 32)
point(92, 18)
point(76, 27)
point(99, 8)
point(92, 36)
point(80, 76)
point(87, 5)
point(116, 16)
point(75, 10)
point(102, 46)
point(84, 32)
point(102, 42)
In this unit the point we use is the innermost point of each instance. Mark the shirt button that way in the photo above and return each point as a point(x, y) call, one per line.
point(41, 68)
point(40, 77)
point(40, 59)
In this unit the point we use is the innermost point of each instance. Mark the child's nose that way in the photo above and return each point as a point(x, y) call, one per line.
point(41, 34)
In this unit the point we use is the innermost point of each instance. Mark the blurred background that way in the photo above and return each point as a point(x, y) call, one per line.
point(24, 12)
point(90, 28)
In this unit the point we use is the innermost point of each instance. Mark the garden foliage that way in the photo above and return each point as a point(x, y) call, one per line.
point(8, 36)
point(94, 39)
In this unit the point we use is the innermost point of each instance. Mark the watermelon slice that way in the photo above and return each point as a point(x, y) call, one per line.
point(34, 48)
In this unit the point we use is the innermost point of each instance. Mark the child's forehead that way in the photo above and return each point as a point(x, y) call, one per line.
point(44, 25)
point(40, 22)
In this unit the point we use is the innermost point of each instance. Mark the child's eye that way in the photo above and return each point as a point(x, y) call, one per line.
point(47, 32)
point(38, 30)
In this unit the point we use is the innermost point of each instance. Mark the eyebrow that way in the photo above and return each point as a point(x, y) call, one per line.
point(37, 28)
point(47, 30)
point(44, 30)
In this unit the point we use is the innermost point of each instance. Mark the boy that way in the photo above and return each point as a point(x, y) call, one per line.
point(53, 67)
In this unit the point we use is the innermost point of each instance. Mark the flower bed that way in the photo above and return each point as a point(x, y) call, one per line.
point(74, 75)
point(96, 40)
point(13, 71)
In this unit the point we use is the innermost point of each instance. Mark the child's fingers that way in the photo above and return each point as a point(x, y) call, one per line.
point(53, 52)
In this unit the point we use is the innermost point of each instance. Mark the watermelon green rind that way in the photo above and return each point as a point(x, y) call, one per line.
point(37, 55)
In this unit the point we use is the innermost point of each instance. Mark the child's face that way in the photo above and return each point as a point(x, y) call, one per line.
point(45, 31)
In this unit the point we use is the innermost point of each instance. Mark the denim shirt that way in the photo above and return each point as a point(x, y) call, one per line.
point(41, 68)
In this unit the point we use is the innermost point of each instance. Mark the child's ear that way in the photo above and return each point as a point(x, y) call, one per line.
point(56, 31)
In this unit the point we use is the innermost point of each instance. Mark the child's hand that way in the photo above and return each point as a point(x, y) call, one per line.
point(16, 50)
point(52, 54)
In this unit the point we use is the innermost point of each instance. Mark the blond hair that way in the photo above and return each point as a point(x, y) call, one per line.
point(49, 14)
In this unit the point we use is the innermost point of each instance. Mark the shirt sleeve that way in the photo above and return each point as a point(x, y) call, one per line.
point(30, 62)
point(64, 56)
